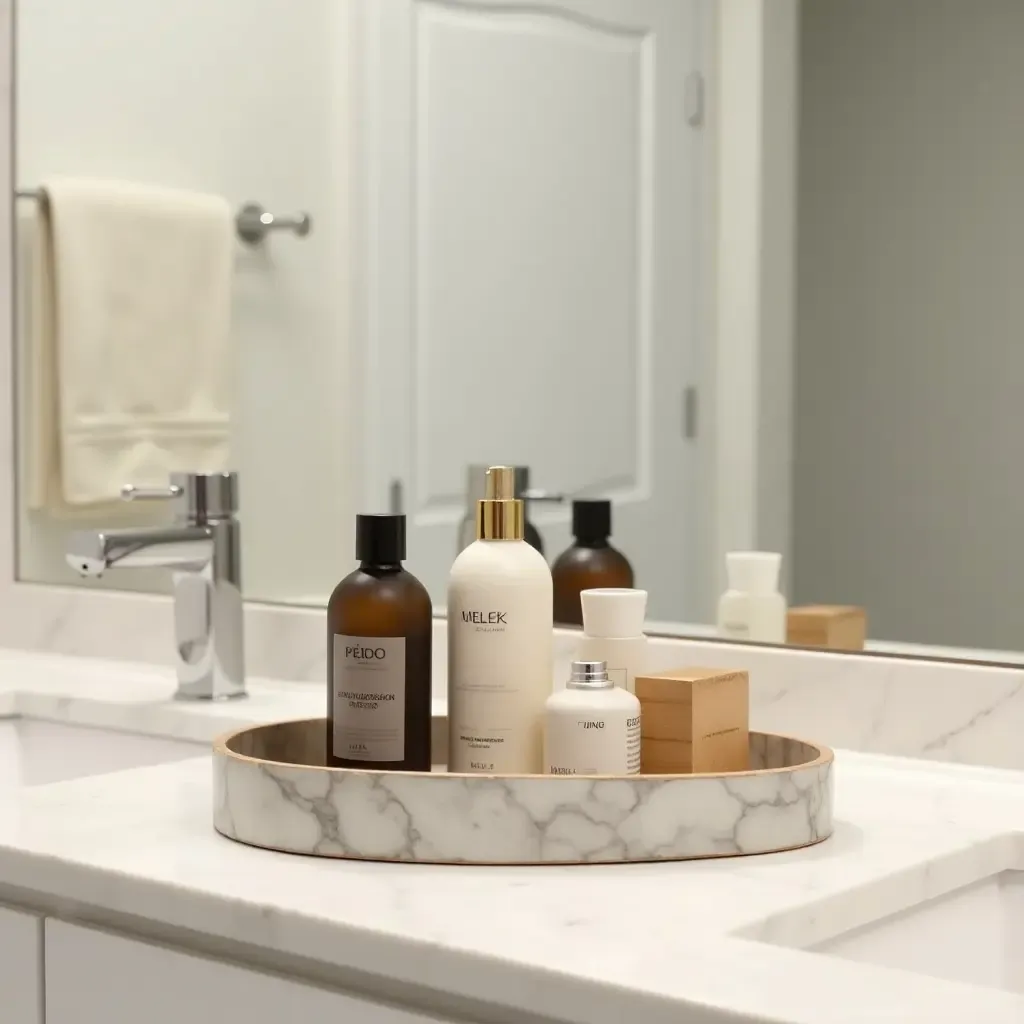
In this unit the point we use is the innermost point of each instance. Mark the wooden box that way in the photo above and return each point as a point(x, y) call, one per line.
point(839, 627)
point(693, 720)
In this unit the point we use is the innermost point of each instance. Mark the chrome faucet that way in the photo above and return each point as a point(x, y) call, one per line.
point(202, 549)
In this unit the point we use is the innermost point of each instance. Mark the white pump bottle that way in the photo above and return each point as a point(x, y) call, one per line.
point(499, 641)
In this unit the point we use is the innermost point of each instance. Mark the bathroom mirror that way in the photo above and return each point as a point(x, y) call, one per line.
point(777, 312)
point(247, 107)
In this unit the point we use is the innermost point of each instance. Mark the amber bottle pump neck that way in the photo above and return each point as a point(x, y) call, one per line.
point(592, 542)
point(380, 542)
point(372, 568)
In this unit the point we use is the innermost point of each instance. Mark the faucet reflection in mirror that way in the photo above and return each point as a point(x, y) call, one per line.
point(202, 549)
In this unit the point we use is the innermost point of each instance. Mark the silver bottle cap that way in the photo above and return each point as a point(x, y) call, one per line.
point(589, 675)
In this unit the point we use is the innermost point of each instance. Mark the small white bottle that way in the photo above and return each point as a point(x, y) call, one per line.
point(499, 641)
point(752, 608)
point(613, 632)
point(593, 726)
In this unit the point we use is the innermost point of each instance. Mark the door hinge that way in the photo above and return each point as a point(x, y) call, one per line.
point(690, 413)
point(693, 102)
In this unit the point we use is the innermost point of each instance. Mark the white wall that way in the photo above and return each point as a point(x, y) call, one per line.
point(779, 75)
point(249, 99)
point(754, 121)
point(909, 488)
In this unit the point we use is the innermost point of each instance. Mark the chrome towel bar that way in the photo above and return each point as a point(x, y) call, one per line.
point(252, 222)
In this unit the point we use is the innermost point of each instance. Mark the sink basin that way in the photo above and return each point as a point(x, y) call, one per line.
point(973, 934)
point(34, 752)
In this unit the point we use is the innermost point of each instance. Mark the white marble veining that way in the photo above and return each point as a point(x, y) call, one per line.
point(138, 698)
point(944, 711)
point(478, 819)
point(948, 711)
point(590, 943)
point(586, 943)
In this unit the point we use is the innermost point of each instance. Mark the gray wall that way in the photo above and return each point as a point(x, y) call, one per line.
point(909, 412)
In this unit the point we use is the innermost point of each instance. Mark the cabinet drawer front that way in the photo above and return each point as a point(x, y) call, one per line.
point(95, 977)
point(21, 967)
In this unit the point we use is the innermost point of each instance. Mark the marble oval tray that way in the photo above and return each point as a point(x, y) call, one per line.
point(272, 789)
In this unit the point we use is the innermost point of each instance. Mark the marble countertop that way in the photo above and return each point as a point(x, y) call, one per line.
point(985, 655)
point(720, 939)
point(139, 698)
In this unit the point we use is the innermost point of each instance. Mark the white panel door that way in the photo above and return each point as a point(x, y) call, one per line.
point(532, 191)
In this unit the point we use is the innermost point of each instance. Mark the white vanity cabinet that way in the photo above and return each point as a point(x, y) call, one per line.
point(95, 977)
point(21, 967)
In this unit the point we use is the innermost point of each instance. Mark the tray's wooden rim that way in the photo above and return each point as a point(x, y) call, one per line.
point(614, 864)
point(221, 749)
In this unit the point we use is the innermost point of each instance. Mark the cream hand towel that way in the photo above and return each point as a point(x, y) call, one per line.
point(129, 340)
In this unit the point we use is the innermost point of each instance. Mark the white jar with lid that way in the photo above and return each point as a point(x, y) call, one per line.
point(613, 632)
point(752, 608)
point(592, 727)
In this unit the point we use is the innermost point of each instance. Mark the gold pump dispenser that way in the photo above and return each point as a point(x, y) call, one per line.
point(499, 515)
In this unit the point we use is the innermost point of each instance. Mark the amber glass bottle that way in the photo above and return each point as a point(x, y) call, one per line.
point(590, 562)
point(378, 657)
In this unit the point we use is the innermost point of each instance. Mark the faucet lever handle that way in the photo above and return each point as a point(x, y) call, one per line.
point(132, 493)
point(534, 494)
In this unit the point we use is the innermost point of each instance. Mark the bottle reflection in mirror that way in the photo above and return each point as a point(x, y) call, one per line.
point(753, 608)
point(590, 562)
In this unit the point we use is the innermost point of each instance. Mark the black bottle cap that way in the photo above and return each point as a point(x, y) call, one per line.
point(380, 539)
point(591, 518)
